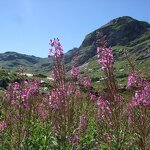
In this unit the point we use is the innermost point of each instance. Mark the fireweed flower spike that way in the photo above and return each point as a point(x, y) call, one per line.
point(138, 108)
point(74, 71)
point(105, 57)
point(87, 81)
point(140, 98)
point(64, 98)
point(109, 104)
point(132, 79)
point(104, 53)
point(56, 49)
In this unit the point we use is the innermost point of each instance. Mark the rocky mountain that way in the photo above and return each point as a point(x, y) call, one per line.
point(122, 33)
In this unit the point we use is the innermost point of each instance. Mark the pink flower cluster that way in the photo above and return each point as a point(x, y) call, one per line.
point(108, 138)
point(92, 97)
point(58, 96)
point(55, 98)
point(57, 51)
point(87, 81)
point(132, 80)
point(141, 97)
point(42, 111)
point(106, 59)
point(56, 74)
point(2, 125)
point(74, 71)
point(103, 108)
point(19, 94)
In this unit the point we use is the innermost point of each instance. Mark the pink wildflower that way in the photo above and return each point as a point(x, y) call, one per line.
point(57, 51)
point(16, 86)
point(74, 71)
point(2, 125)
point(132, 80)
point(92, 97)
point(87, 81)
point(103, 108)
point(106, 59)
point(43, 113)
point(108, 138)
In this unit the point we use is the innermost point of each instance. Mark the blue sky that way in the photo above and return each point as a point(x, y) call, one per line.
point(26, 26)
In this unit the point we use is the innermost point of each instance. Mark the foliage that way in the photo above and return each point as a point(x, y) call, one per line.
point(75, 115)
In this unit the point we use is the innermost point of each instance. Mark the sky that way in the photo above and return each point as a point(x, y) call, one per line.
point(26, 26)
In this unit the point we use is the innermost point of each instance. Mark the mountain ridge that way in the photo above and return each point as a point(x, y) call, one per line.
point(122, 32)
point(13, 60)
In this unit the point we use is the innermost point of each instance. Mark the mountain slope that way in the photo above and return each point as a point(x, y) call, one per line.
point(123, 32)
point(32, 64)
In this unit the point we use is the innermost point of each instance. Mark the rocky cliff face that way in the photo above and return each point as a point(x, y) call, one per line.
point(123, 32)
